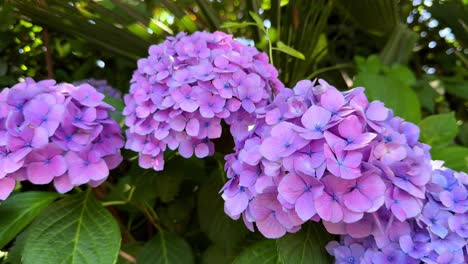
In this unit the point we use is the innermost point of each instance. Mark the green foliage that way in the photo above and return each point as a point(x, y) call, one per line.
point(307, 246)
point(438, 130)
point(166, 248)
point(288, 50)
point(455, 157)
point(76, 229)
point(19, 211)
point(391, 85)
point(263, 252)
point(221, 229)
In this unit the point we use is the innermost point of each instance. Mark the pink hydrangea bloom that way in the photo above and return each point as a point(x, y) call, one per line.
point(57, 133)
point(186, 86)
point(322, 154)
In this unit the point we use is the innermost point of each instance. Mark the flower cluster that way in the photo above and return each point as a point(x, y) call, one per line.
point(438, 235)
point(180, 94)
point(56, 132)
point(319, 154)
point(101, 86)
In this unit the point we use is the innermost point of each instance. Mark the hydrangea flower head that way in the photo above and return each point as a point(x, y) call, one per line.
point(57, 133)
point(186, 86)
point(437, 235)
point(321, 154)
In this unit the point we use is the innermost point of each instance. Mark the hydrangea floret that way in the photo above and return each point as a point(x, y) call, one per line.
point(320, 154)
point(182, 91)
point(57, 133)
point(101, 86)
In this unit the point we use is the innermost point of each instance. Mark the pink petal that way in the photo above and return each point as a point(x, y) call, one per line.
point(305, 206)
point(353, 159)
point(350, 127)
point(193, 127)
point(356, 201)
point(270, 227)
point(39, 173)
point(291, 187)
point(328, 209)
point(62, 184)
point(7, 185)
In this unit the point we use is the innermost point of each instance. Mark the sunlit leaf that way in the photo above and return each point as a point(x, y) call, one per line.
point(439, 130)
point(288, 50)
point(233, 25)
point(455, 157)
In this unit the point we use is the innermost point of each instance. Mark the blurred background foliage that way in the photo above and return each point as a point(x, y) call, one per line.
point(412, 55)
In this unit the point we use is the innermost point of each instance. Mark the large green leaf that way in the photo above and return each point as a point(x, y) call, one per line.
point(455, 157)
point(399, 47)
point(213, 221)
point(166, 248)
point(393, 92)
point(19, 211)
point(439, 130)
point(263, 252)
point(305, 246)
point(76, 229)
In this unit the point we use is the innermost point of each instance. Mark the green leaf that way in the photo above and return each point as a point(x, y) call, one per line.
point(305, 246)
point(16, 251)
point(455, 157)
point(166, 248)
point(242, 24)
point(376, 17)
point(456, 86)
point(211, 14)
point(257, 20)
point(402, 73)
point(213, 221)
point(168, 181)
point(216, 254)
point(3, 68)
point(320, 49)
point(263, 252)
point(439, 130)
point(19, 211)
point(76, 229)
point(119, 105)
point(280, 46)
point(372, 64)
point(393, 92)
point(399, 47)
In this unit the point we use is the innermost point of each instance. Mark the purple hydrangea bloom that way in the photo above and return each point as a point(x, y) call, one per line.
point(439, 234)
point(331, 156)
point(57, 133)
point(186, 86)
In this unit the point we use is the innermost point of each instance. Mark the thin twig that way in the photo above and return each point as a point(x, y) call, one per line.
point(46, 37)
point(127, 257)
